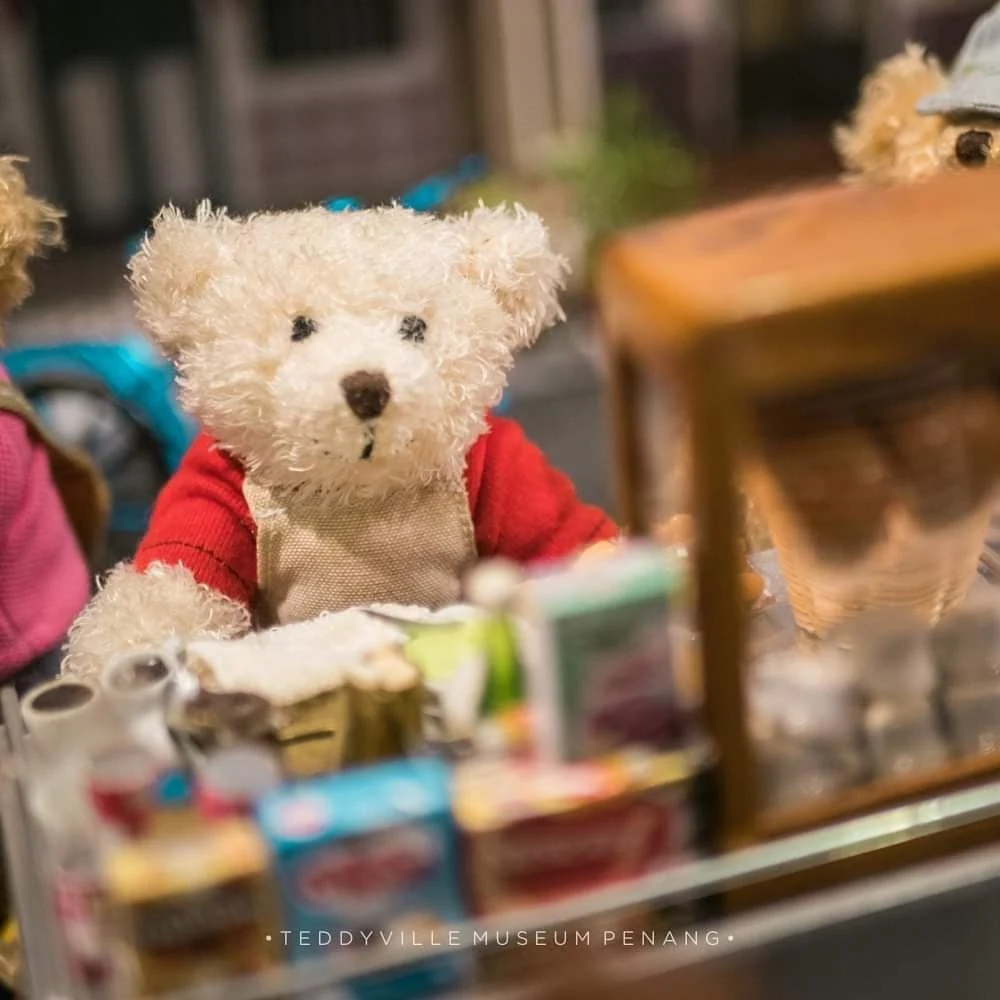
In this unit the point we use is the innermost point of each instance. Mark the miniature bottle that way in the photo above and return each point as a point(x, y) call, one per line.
point(61, 807)
point(137, 688)
point(122, 782)
point(174, 810)
point(231, 780)
point(493, 587)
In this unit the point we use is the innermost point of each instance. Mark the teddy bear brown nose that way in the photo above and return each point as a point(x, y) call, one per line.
point(367, 393)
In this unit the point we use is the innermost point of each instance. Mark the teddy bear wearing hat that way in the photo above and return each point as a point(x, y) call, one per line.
point(342, 366)
point(914, 120)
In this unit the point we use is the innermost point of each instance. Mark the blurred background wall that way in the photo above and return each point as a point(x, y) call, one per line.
point(123, 105)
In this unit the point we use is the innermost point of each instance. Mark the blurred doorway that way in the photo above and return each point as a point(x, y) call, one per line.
point(120, 98)
point(801, 62)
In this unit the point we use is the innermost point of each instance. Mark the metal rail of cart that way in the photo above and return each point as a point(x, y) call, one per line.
point(912, 934)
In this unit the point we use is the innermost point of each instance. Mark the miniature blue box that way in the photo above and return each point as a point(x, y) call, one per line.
point(366, 860)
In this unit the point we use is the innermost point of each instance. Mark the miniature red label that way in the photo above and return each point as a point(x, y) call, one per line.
point(371, 868)
point(78, 907)
point(551, 856)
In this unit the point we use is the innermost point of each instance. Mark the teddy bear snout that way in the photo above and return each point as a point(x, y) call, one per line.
point(367, 393)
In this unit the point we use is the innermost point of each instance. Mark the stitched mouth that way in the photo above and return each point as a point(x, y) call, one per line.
point(369, 448)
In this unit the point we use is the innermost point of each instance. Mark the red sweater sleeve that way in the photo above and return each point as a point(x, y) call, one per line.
point(201, 521)
point(524, 509)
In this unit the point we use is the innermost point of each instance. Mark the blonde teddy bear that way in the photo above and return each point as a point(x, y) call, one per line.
point(914, 120)
point(342, 366)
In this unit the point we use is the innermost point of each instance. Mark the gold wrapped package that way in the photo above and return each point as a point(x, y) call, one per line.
point(10, 958)
point(385, 698)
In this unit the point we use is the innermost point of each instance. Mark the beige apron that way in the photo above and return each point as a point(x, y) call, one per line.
point(316, 555)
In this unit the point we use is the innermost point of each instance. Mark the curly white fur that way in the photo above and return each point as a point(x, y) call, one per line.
point(220, 295)
point(135, 610)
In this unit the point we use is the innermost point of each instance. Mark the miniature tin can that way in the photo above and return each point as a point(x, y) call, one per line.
point(214, 719)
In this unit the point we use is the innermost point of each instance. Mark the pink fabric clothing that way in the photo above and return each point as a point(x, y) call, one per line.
point(44, 581)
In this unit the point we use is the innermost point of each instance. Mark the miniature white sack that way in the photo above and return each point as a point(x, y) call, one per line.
point(290, 664)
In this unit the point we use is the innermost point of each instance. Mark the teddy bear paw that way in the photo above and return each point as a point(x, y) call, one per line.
point(135, 610)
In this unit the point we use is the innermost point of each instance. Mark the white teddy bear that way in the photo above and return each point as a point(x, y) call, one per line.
point(342, 366)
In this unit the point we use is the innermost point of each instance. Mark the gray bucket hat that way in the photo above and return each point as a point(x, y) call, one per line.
point(974, 85)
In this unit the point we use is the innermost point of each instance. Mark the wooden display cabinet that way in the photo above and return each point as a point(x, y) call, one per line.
point(771, 299)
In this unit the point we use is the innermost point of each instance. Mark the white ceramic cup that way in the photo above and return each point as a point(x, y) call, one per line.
point(63, 714)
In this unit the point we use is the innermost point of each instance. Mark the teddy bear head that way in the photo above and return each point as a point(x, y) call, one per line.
point(914, 120)
point(27, 225)
point(355, 352)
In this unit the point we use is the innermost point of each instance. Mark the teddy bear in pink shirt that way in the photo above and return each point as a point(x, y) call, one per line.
point(44, 579)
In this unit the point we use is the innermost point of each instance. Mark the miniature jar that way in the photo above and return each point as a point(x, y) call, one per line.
point(63, 715)
point(973, 714)
point(966, 643)
point(892, 655)
point(137, 688)
point(810, 699)
point(795, 774)
point(904, 737)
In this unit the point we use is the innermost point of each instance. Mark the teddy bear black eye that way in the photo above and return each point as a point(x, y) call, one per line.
point(302, 327)
point(413, 329)
point(972, 148)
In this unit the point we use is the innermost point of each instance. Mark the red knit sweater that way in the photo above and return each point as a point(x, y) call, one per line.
point(521, 507)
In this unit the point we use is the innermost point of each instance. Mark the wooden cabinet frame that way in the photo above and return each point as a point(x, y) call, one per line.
point(769, 296)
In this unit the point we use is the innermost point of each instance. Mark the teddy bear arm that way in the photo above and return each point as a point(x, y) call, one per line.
point(193, 574)
point(523, 508)
point(202, 522)
point(137, 610)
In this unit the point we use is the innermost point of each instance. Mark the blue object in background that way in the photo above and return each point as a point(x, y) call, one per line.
point(134, 245)
point(429, 195)
point(129, 370)
point(342, 204)
point(115, 400)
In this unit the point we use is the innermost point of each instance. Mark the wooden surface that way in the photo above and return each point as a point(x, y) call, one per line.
point(878, 795)
point(870, 275)
point(838, 871)
point(771, 165)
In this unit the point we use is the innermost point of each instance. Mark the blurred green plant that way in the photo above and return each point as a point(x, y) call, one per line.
point(630, 170)
point(627, 171)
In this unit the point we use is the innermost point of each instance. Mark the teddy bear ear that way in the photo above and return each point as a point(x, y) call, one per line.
point(27, 226)
point(509, 252)
point(886, 138)
point(169, 273)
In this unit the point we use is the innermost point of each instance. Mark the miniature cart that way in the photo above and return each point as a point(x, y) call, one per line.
point(767, 321)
